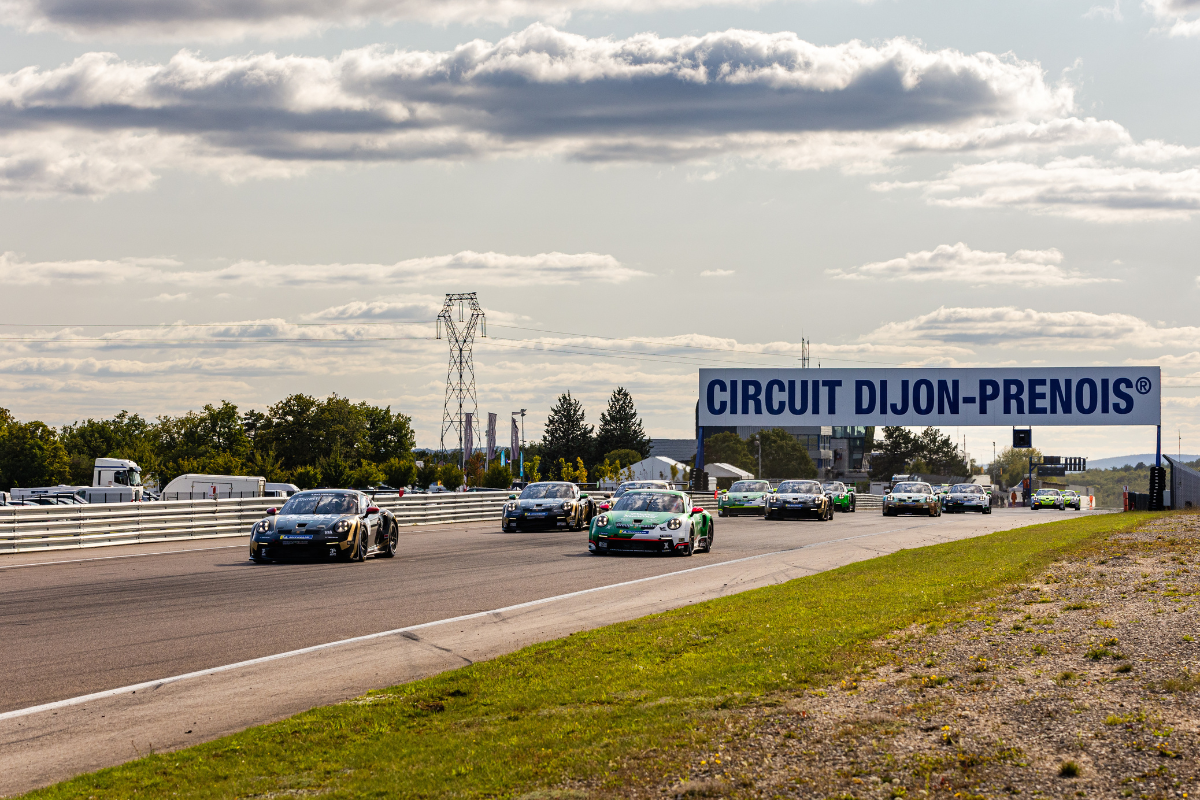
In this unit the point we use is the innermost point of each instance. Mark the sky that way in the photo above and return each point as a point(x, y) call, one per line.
point(241, 199)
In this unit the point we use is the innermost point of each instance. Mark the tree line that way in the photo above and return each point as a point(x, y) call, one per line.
point(929, 452)
point(571, 449)
point(301, 439)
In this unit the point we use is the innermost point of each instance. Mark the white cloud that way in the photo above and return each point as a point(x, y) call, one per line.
point(1083, 188)
point(484, 269)
point(1183, 15)
point(1010, 327)
point(100, 124)
point(232, 19)
point(1112, 12)
point(168, 298)
point(717, 273)
point(964, 266)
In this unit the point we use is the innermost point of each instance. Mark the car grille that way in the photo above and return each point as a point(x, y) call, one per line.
point(638, 545)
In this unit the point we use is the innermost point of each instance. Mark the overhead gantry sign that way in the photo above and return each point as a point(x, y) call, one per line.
point(993, 396)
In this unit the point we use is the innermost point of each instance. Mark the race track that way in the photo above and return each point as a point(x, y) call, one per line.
point(81, 622)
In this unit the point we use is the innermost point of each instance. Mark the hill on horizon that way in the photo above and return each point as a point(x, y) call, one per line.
point(1132, 461)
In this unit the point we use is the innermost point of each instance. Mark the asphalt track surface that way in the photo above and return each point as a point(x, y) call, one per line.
point(77, 622)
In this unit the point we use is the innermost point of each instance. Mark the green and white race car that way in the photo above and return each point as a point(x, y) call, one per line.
point(843, 498)
point(744, 497)
point(1071, 499)
point(1047, 498)
point(651, 521)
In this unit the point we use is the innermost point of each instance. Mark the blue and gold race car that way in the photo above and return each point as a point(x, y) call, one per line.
point(800, 499)
point(1047, 498)
point(744, 497)
point(966, 497)
point(651, 521)
point(325, 523)
point(911, 497)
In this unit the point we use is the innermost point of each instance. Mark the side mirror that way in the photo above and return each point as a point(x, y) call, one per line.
point(272, 512)
point(512, 497)
point(605, 507)
point(373, 509)
point(583, 496)
point(697, 510)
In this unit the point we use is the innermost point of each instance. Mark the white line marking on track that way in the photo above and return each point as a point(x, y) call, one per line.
point(127, 555)
point(155, 684)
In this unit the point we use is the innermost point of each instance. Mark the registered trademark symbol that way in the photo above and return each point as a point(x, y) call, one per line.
point(1143, 386)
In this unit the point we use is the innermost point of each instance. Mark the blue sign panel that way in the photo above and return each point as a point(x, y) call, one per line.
point(994, 396)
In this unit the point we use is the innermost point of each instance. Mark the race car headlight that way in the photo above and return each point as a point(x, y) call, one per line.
point(602, 521)
point(342, 527)
point(567, 506)
point(674, 524)
point(510, 507)
point(262, 526)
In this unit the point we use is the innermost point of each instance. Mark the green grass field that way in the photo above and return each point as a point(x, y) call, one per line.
point(580, 707)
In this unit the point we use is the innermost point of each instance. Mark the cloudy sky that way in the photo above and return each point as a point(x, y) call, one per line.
point(239, 199)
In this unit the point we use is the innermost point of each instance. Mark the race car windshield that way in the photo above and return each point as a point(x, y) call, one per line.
point(320, 504)
point(551, 491)
point(800, 487)
point(967, 488)
point(650, 501)
point(913, 488)
point(1047, 492)
point(835, 486)
point(750, 486)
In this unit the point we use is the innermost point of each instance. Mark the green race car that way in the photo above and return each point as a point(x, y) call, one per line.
point(1071, 499)
point(843, 498)
point(1047, 498)
point(744, 497)
point(651, 521)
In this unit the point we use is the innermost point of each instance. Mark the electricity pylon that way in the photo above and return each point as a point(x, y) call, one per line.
point(460, 375)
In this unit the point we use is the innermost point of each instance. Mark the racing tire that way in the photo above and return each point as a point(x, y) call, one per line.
point(985, 510)
point(687, 551)
point(721, 512)
point(598, 552)
point(852, 505)
point(257, 559)
point(393, 540)
point(712, 530)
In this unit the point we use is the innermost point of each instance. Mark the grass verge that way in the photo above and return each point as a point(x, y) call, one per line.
point(581, 707)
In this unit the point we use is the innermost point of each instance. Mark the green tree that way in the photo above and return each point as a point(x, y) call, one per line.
point(621, 428)
point(399, 472)
point(106, 438)
point(900, 447)
point(534, 475)
point(268, 465)
point(1012, 465)
point(729, 448)
point(782, 456)
point(450, 476)
point(427, 475)
point(366, 474)
point(388, 435)
point(307, 477)
point(567, 434)
point(31, 455)
point(941, 454)
point(498, 477)
point(335, 470)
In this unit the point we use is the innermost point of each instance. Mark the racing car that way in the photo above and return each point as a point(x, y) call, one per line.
point(966, 497)
point(802, 499)
point(843, 498)
point(652, 521)
point(1047, 498)
point(549, 504)
point(331, 523)
point(1071, 499)
point(911, 497)
point(744, 497)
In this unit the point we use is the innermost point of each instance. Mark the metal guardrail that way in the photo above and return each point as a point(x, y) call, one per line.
point(33, 528)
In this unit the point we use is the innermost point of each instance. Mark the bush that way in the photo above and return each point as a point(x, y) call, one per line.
point(626, 457)
point(450, 476)
point(399, 473)
point(498, 477)
point(307, 477)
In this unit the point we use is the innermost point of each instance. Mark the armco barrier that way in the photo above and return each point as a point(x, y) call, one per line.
point(30, 528)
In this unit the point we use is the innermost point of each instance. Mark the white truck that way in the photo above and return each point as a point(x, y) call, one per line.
point(114, 480)
point(213, 487)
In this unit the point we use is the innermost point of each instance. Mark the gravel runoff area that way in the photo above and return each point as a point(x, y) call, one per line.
point(1085, 684)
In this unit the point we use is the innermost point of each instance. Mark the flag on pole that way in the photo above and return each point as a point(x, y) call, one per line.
point(468, 436)
point(491, 437)
point(516, 439)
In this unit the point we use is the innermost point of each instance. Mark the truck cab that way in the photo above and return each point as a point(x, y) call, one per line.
point(118, 476)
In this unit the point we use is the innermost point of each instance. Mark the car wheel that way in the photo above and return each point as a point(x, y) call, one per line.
point(852, 505)
point(712, 528)
point(393, 540)
point(720, 512)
